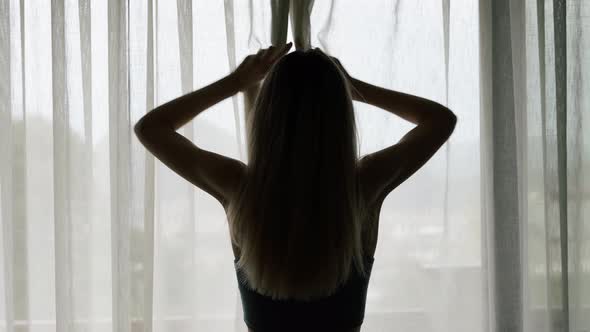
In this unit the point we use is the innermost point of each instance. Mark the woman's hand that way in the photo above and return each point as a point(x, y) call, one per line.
point(341, 67)
point(255, 66)
point(354, 92)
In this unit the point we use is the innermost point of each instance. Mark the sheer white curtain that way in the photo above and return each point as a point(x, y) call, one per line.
point(535, 69)
point(490, 235)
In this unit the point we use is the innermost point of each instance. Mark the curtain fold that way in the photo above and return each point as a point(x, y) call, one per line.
point(301, 23)
point(577, 170)
point(447, 146)
point(530, 89)
point(14, 181)
point(97, 235)
point(560, 49)
point(487, 212)
point(62, 198)
point(119, 157)
point(7, 150)
point(86, 159)
point(280, 21)
point(508, 256)
point(185, 38)
point(149, 177)
point(231, 55)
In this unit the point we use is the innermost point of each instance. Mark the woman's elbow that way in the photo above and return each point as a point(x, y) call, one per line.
point(453, 119)
point(138, 127)
point(452, 122)
point(447, 119)
point(141, 130)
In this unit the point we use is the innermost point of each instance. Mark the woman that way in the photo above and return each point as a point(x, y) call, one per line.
point(304, 212)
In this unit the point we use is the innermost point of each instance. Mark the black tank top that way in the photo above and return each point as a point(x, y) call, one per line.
point(344, 309)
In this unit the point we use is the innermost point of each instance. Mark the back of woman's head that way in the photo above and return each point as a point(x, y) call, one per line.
point(298, 214)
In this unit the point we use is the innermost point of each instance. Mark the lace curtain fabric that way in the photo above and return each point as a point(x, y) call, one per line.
point(490, 235)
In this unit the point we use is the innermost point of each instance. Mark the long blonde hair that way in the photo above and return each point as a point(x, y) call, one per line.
point(297, 216)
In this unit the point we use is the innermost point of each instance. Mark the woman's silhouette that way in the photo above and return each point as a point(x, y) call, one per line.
point(303, 214)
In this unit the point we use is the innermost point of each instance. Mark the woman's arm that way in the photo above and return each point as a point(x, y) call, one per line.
point(178, 112)
point(384, 170)
point(216, 174)
point(157, 131)
point(408, 107)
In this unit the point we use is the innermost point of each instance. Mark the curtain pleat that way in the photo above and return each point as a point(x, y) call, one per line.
point(560, 54)
point(301, 23)
point(230, 35)
point(487, 213)
point(445, 316)
point(6, 145)
point(507, 239)
point(551, 164)
point(149, 180)
point(323, 33)
point(86, 55)
point(158, 275)
point(543, 109)
point(62, 170)
point(86, 162)
point(446, 7)
point(14, 200)
point(578, 179)
point(280, 21)
point(446, 12)
point(519, 65)
point(185, 37)
point(119, 146)
point(21, 240)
